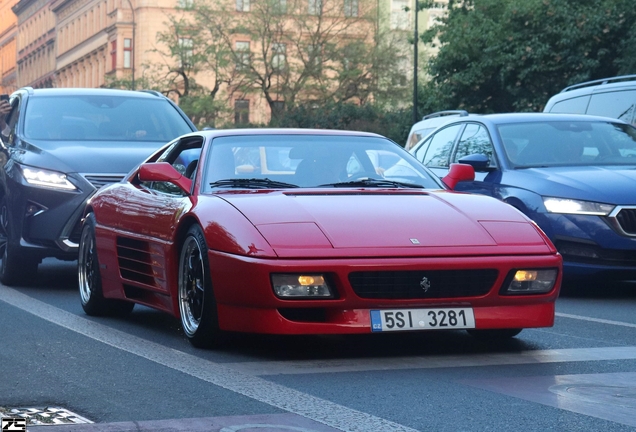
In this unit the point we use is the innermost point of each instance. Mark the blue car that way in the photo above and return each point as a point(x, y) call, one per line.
point(574, 175)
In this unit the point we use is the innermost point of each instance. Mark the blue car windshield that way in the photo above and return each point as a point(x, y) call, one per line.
point(568, 143)
point(288, 160)
point(102, 118)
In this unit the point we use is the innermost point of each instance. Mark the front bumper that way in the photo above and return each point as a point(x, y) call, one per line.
point(47, 221)
point(246, 302)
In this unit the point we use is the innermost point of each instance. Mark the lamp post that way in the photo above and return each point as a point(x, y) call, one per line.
point(416, 117)
point(132, 48)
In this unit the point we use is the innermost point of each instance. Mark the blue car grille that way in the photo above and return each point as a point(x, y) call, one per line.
point(423, 284)
point(627, 219)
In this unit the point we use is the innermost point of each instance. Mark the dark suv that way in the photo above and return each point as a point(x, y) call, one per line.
point(608, 97)
point(59, 147)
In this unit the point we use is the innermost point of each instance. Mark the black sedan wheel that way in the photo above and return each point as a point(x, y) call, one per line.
point(16, 268)
point(197, 305)
point(90, 281)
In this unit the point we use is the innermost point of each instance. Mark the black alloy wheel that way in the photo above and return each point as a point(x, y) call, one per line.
point(197, 305)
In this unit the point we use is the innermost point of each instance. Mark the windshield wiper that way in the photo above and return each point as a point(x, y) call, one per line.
point(252, 183)
point(373, 182)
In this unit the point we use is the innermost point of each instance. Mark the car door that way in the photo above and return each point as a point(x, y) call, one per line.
point(474, 140)
point(145, 215)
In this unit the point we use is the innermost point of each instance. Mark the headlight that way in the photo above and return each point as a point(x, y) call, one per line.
point(46, 178)
point(569, 206)
point(301, 286)
point(531, 281)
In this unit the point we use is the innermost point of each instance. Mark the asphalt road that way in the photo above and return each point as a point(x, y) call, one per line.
point(140, 373)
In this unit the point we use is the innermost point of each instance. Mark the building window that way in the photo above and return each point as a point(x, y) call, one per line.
point(185, 4)
point(314, 7)
point(127, 53)
point(278, 56)
point(113, 54)
point(278, 107)
point(242, 50)
point(279, 7)
point(400, 18)
point(351, 8)
point(241, 111)
point(243, 5)
point(186, 45)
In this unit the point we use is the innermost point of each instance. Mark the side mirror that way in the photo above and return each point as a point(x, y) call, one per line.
point(479, 162)
point(458, 172)
point(164, 172)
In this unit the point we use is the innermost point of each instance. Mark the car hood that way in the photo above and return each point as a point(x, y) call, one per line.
point(85, 156)
point(607, 184)
point(387, 219)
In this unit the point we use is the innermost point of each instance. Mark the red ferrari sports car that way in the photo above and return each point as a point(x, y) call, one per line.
point(311, 232)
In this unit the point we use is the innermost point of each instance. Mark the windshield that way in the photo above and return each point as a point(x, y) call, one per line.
point(280, 161)
point(569, 143)
point(102, 118)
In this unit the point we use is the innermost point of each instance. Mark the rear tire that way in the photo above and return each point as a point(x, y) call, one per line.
point(16, 268)
point(197, 305)
point(90, 280)
point(494, 334)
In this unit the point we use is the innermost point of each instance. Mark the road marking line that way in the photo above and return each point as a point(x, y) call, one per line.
point(435, 362)
point(284, 398)
point(597, 320)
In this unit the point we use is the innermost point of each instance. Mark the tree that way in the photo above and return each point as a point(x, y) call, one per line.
point(510, 55)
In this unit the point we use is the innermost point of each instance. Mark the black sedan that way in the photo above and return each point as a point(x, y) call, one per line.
point(60, 146)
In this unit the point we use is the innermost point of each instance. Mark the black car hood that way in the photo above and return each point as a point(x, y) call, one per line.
point(112, 157)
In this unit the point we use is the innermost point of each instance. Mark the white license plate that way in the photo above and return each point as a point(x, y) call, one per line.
point(422, 319)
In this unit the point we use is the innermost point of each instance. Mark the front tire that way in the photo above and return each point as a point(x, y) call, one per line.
point(197, 305)
point(90, 280)
point(16, 268)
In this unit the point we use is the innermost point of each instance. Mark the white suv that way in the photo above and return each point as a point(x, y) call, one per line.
point(428, 124)
point(609, 97)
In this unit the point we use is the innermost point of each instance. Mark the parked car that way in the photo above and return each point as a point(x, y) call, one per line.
point(62, 145)
point(295, 232)
point(574, 175)
point(609, 97)
point(428, 124)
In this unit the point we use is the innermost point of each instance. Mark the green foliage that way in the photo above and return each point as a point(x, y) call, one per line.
point(394, 124)
point(511, 55)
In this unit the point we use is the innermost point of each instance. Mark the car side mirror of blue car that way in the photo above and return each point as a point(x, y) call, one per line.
point(479, 162)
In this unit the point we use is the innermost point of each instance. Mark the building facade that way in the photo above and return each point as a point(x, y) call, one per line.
point(86, 43)
point(8, 49)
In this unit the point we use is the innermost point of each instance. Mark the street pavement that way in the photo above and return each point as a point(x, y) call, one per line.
point(140, 373)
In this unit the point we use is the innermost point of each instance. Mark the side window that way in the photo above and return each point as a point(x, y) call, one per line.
point(421, 150)
point(620, 105)
point(438, 152)
point(575, 105)
point(475, 140)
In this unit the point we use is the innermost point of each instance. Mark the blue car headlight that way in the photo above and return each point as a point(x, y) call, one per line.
point(570, 206)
